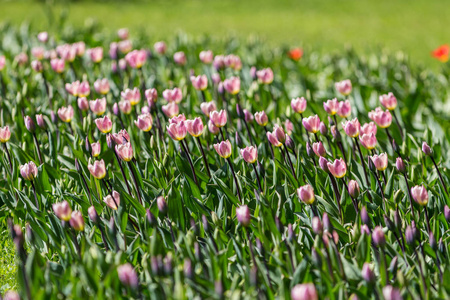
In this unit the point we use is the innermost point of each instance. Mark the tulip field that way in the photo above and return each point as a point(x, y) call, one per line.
point(220, 169)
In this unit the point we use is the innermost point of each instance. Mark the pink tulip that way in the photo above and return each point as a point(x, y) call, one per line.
point(50, 54)
point(177, 131)
point(426, 149)
point(98, 106)
point(331, 106)
point(261, 118)
point(306, 194)
point(160, 47)
point(319, 149)
point(173, 95)
point(243, 215)
point(96, 54)
point(223, 149)
point(121, 137)
point(125, 106)
point(134, 95)
point(305, 291)
point(57, 65)
point(353, 189)
point(277, 136)
point(249, 154)
point(83, 89)
point(104, 124)
point(66, 52)
point(177, 119)
point(233, 61)
point(21, 59)
point(265, 75)
point(338, 168)
point(40, 121)
point(151, 95)
point(369, 128)
point(144, 122)
point(43, 37)
point(208, 107)
point(80, 48)
point(29, 124)
point(72, 88)
point(232, 85)
point(136, 58)
point(2, 62)
point(298, 105)
point(195, 127)
point(369, 141)
point(212, 128)
point(127, 275)
point(248, 117)
point(5, 134)
point(179, 58)
point(219, 119)
point(77, 221)
point(344, 87)
point(391, 293)
point(288, 126)
point(345, 109)
point(38, 52)
point(219, 62)
point(83, 104)
point(98, 169)
point(200, 82)
point(123, 33)
point(37, 66)
point(96, 148)
point(113, 201)
point(170, 109)
point(62, 210)
point(382, 118)
point(388, 101)
point(28, 171)
point(66, 114)
point(420, 195)
point(352, 127)
point(125, 151)
point(102, 86)
point(126, 46)
point(215, 78)
point(380, 161)
point(312, 123)
point(206, 56)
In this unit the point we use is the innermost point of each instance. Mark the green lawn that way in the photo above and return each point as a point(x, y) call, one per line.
point(415, 26)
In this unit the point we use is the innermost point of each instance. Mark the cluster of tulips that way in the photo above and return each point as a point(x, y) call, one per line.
point(130, 179)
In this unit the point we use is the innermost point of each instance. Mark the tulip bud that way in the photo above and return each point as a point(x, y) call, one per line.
point(29, 124)
point(154, 266)
point(290, 143)
point(353, 189)
point(168, 265)
point(305, 291)
point(87, 145)
point(238, 140)
point(398, 221)
point(365, 229)
point(327, 223)
point(205, 223)
point(291, 233)
point(323, 128)
point(323, 163)
point(187, 268)
point(447, 213)
point(93, 214)
point(426, 149)
point(127, 275)
point(410, 239)
point(316, 258)
point(378, 237)
point(151, 219)
point(365, 219)
point(441, 246)
point(40, 121)
point(389, 223)
point(218, 288)
point(243, 215)
point(162, 205)
point(432, 241)
point(279, 225)
point(371, 165)
point(317, 226)
point(53, 117)
point(239, 111)
point(400, 165)
point(367, 273)
point(309, 150)
point(393, 266)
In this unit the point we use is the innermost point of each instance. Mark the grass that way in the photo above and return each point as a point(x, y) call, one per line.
point(7, 262)
point(412, 26)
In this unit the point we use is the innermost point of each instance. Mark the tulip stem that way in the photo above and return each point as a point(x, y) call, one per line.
point(257, 178)
point(235, 180)
point(336, 193)
point(270, 146)
point(409, 195)
point(248, 131)
point(439, 173)
point(130, 165)
point(289, 160)
point(9, 157)
point(221, 132)
point(398, 124)
point(34, 192)
point(428, 219)
point(363, 163)
point(123, 173)
point(380, 187)
point(205, 159)
point(185, 149)
point(38, 149)
point(103, 237)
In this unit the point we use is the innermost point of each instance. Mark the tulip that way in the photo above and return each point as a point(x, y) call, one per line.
point(144, 122)
point(37, 66)
point(38, 52)
point(208, 107)
point(249, 154)
point(162, 205)
point(426, 149)
point(233, 61)
point(66, 52)
point(200, 82)
point(28, 171)
point(80, 48)
point(369, 141)
point(121, 137)
point(194, 127)
point(391, 293)
point(206, 56)
point(125, 151)
point(298, 105)
point(65, 113)
point(104, 124)
point(323, 163)
point(317, 225)
point(171, 109)
point(29, 124)
point(338, 168)
point(216, 78)
point(420, 195)
point(306, 194)
point(127, 275)
point(388, 101)
point(353, 189)
point(265, 76)
point(295, 54)
point(277, 137)
point(223, 149)
point(112, 201)
point(77, 221)
point(151, 95)
point(177, 119)
point(98, 169)
point(367, 273)
point(288, 126)
point(378, 237)
point(96, 148)
point(83, 104)
point(219, 119)
point(43, 36)
point(2, 62)
point(311, 123)
point(173, 95)
point(243, 215)
point(122, 33)
point(212, 128)
point(160, 47)
point(232, 85)
point(344, 87)
point(319, 149)
point(134, 95)
point(261, 118)
point(177, 131)
point(382, 118)
point(72, 88)
point(369, 128)
point(102, 86)
point(62, 210)
point(351, 128)
point(96, 54)
point(380, 161)
point(125, 106)
point(98, 106)
point(57, 65)
point(331, 106)
point(179, 58)
point(83, 89)
point(136, 58)
point(400, 165)
point(305, 291)
point(441, 53)
point(345, 109)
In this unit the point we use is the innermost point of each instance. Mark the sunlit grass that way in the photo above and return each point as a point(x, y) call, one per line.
point(7, 262)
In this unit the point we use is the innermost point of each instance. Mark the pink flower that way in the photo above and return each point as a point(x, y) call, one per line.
point(426, 149)
point(249, 154)
point(369, 141)
point(219, 119)
point(57, 65)
point(305, 291)
point(345, 109)
point(177, 119)
point(160, 47)
point(66, 52)
point(248, 116)
point(65, 114)
point(29, 124)
point(382, 118)
point(215, 78)
point(151, 95)
point(195, 127)
point(72, 88)
point(98, 169)
point(144, 122)
point(380, 161)
point(208, 107)
point(2, 62)
point(352, 127)
point(125, 151)
point(21, 59)
point(206, 56)
point(134, 95)
point(102, 86)
point(5, 134)
point(232, 85)
point(331, 106)
point(96, 54)
point(145, 110)
point(288, 126)
point(28, 171)
point(38, 52)
point(369, 128)
point(261, 118)
point(338, 168)
point(83, 104)
point(177, 131)
point(104, 124)
point(179, 58)
point(121, 137)
point(223, 149)
point(43, 37)
point(98, 106)
point(62, 210)
point(80, 48)
point(298, 105)
point(136, 58)
point(83, 89)
point(277, 136)
point(127, 275)
point(112, 201)
point(420, 195)
point(125, 106)
point(96, 148)
point(170, 109)
point(388, 101)
point(319, 149)
point(233, 61)
point(77, 221)
point(37, 66)
point(344, 87)
point(243, 215)
point(306, 194)
point(265, 75)
point(173, 95)
point(219, 62)
point(123, 33)
point(200, 82)
point(126, 46)
point(353, 189)
point(212, 128)
point(312, 123)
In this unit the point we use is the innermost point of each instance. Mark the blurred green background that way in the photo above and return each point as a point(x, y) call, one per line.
point(413, 26)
